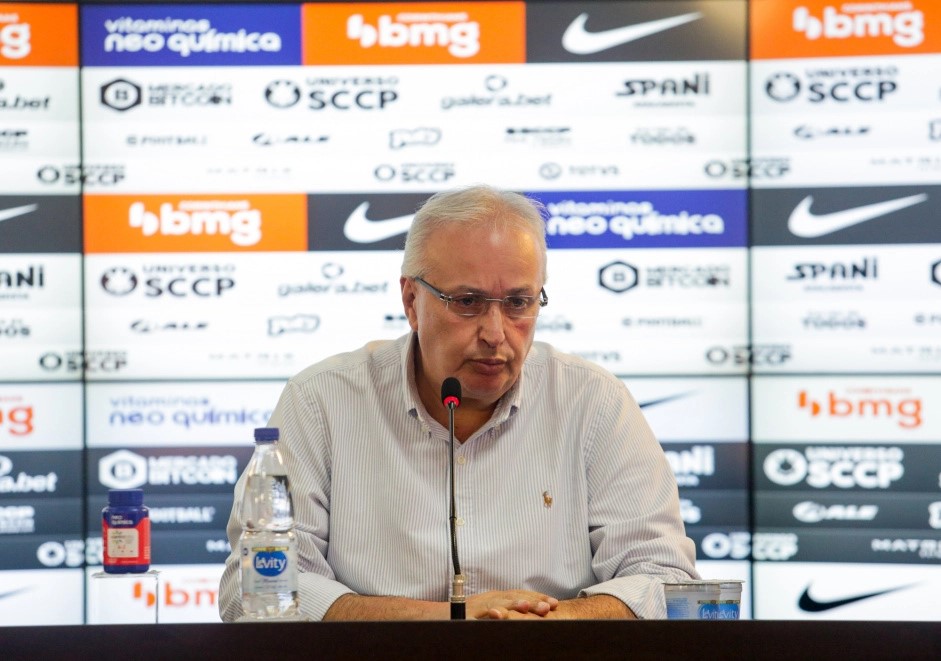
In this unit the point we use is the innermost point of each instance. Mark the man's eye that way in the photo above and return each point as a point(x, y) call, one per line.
point(467, 301)
point(517, 302)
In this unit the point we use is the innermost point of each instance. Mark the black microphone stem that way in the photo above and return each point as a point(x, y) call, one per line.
point(457, 585)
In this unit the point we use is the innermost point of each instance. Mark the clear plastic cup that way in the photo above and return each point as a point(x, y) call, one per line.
point(730, 599)
point(692, 600)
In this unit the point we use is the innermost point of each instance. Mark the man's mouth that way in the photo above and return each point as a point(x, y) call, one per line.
point(489, 365)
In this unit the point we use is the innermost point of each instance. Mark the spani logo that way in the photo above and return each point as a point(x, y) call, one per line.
point(270, 561)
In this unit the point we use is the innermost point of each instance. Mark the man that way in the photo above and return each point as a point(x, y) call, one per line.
point(567, 507)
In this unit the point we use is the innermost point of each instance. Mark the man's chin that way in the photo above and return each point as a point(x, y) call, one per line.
point(485, 389)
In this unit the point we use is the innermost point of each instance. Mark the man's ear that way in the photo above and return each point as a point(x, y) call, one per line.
point(408, 301)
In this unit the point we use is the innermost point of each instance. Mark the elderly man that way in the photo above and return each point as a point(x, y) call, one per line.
point(567, 507)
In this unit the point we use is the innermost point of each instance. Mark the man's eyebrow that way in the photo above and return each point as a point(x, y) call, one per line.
point(520, 291)
point(516, 291)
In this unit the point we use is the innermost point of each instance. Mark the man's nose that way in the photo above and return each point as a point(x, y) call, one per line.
point(491, 323)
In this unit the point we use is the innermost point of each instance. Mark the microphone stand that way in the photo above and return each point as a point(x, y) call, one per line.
point(457, 585)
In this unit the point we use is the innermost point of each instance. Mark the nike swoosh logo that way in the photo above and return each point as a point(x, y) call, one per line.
point(6, 214)
point(360, 229)
point(810, 605)
point(13, 593)
point(662, 400)
point(579, 41)
point(808, 225)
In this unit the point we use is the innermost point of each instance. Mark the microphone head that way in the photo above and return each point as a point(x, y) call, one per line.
point(451, 392)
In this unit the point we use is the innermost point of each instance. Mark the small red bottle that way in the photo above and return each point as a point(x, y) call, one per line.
point(125, 527)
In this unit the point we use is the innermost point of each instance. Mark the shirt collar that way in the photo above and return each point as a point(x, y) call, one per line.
point(412, 401)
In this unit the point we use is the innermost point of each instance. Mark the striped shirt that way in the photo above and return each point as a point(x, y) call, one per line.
point(564, 491)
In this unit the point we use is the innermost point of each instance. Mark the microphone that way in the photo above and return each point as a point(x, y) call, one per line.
point(451, 398)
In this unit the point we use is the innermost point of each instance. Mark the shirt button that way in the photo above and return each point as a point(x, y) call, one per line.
point(459, 521)
point(462, 460)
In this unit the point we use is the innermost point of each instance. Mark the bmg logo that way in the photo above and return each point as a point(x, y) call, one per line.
point(16, 420)
point(14, 41)
point(864, 405)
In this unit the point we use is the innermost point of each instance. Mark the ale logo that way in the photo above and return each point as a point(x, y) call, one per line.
point(270, 561)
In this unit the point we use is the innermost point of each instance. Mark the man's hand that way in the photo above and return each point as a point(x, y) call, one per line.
point(494, 605)
point(510, 604)
point(520, 605)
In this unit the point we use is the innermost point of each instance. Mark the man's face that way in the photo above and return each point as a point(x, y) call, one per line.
point(484, 353)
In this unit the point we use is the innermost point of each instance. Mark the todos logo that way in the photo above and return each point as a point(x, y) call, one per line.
point(865, 467)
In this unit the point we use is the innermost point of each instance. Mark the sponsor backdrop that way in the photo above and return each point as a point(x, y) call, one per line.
point(197, 201)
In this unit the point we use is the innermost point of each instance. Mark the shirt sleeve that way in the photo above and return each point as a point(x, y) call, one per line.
point(305, 448)
point(638, 539)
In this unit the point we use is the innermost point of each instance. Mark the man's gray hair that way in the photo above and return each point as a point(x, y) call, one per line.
point(472, 206)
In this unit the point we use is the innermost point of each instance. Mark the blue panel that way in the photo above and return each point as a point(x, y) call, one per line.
point(191, 35)
point(645, 219)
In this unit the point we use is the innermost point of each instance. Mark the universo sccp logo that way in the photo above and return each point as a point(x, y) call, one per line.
point(836, 85)
point(866, 467)
point(177, 280)
point(370, 93)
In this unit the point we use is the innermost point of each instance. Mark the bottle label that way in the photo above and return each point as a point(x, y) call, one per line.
point(126, 545)
point(123, 543)
point(268, 568)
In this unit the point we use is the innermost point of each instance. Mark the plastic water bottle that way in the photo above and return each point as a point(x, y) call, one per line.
point(268, 545)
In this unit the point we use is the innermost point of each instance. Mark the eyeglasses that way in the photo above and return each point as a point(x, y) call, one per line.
point(473, 305)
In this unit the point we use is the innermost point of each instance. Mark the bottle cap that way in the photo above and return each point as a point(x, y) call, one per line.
point(125, 497)
point(266, 434)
